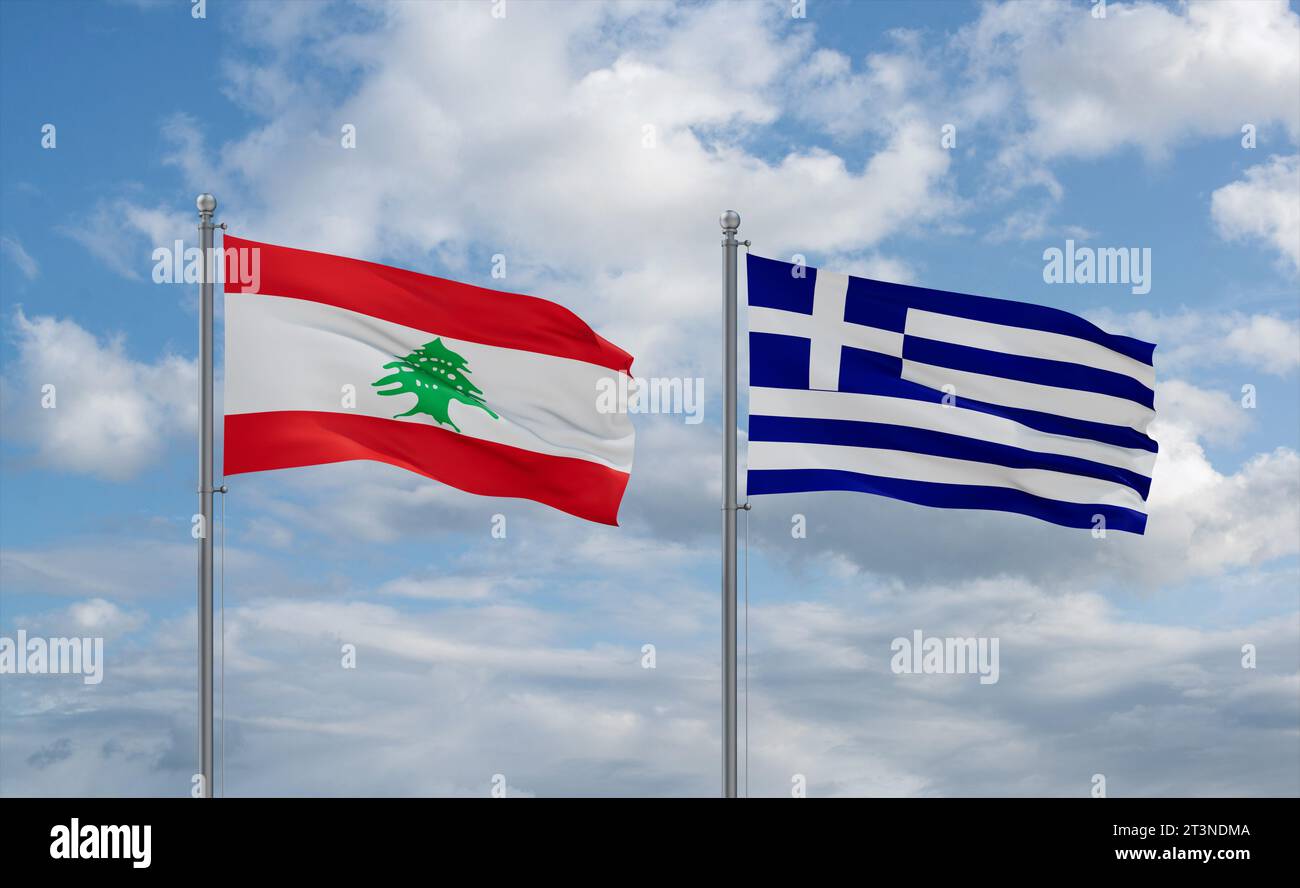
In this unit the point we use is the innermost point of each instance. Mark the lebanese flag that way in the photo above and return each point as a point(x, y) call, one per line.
point(331, 359)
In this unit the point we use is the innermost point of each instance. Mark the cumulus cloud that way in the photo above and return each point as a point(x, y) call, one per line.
point(888, 87)
point(1202, 413)
point(1211, 521)
point(1077, 682)
point(1147, 75)
point(625, 114)
point(509, 689)
point(1264, 206)
point(107, 414)
point(91, 617)
point(1190, 340)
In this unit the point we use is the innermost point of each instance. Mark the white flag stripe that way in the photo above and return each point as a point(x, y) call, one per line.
point(941, 469)
point(1092, 406)
point(292, 354)
point(829, 293)
point(792, 323)
point(938, 418)
point(1028, 343)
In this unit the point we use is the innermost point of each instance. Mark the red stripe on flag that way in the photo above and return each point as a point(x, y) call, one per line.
point(436, 305)
point(257, 442)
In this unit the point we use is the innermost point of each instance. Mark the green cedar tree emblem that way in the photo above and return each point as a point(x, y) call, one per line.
point(436, 375)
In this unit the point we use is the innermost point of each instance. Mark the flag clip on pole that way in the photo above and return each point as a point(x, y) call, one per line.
point(730, 221)
point(207, 204)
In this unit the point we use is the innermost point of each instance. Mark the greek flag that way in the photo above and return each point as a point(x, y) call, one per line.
point(944, 399)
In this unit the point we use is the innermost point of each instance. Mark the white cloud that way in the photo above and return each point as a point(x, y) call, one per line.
point(1265, 206)
point(875, 266)
point(98, 616)
point(87, 618)
point(1267, 342)
point(600, 182)
point(884, 92)
point(1146, 75)
point(444, 588)
point(1189, 340)
point(18, 255)
point(123, 234)
point(441, 701)
point(1209, 521)
point(1211, 415)
point(112, 415)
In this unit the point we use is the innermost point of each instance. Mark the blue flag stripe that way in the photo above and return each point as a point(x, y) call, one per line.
point(946, 496)
point(1120, 436)
point(1062, 486)
point(940, 417)
point(892, 386)
point(1043, 371)
point(915, 440)
point(777, 361)
point(1023, 341)
point(774, 284)
point(1004, 311)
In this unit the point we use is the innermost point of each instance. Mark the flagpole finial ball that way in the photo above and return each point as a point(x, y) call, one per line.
point(729, 220)
point(206, 203)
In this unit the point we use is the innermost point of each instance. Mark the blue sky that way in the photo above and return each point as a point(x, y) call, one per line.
point(524, 135)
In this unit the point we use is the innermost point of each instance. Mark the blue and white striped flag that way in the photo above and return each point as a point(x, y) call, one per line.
point(944, 399)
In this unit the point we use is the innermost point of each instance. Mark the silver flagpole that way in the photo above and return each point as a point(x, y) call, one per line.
point(730, 221)
point(206, 204)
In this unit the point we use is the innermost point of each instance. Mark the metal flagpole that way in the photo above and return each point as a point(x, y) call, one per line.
point(206, 204)
point(730, 221)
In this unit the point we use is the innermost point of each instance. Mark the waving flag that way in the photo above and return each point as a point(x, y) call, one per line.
point(945, 400)
point(333, 359)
